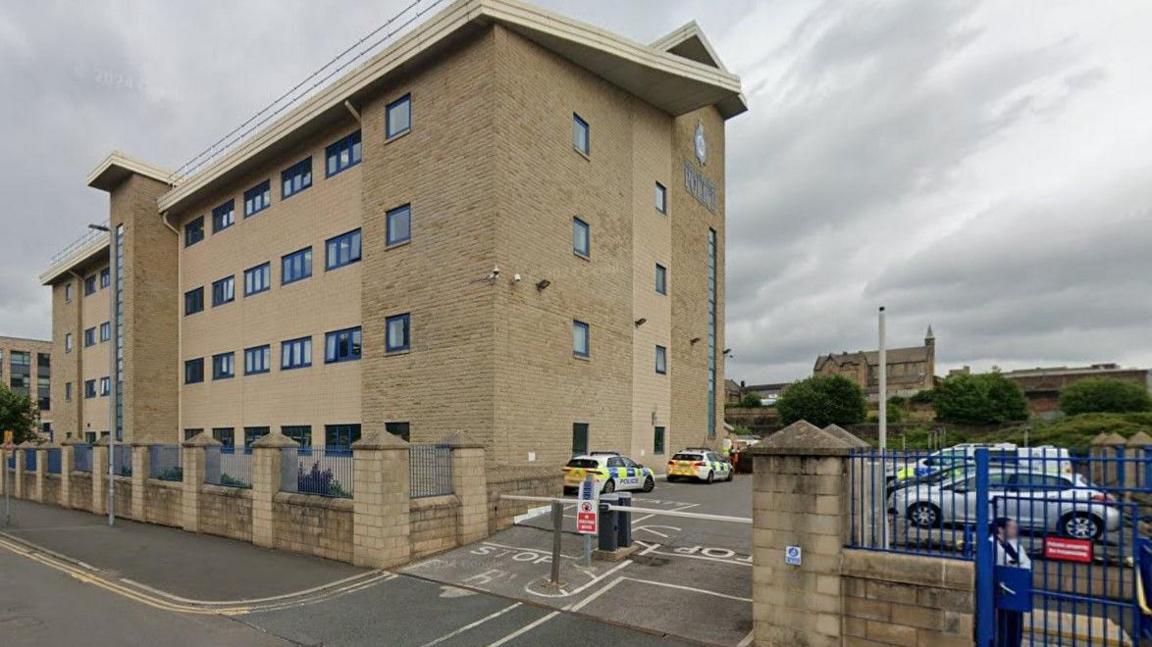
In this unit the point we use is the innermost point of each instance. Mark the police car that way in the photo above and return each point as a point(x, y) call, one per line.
point(699, 463)
point(616, 472)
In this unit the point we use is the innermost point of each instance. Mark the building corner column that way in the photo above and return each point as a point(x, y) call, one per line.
point(470, 485)
point(381, 514)
point(267, 461)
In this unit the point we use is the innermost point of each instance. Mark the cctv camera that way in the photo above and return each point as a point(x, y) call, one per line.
point(516, 277)
point(496, 271)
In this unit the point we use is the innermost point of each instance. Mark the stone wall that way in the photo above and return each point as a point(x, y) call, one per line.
point(51, 493)
point(433, 524)
point(537, 482)
point(313, 525)
point(123, 492)
point(162, 500)
point(80, 490)
point(226, 511)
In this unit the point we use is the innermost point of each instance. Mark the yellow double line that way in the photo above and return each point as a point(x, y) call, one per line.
point(178, 605)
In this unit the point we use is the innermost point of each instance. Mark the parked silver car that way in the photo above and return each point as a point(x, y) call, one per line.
point(1038, 501)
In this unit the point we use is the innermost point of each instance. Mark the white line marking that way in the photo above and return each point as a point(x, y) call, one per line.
point(600, 577)
point(583, 603)
point(689, 588)
point(747, 639)
point(542, 551)
point(702, 557)
point(473, 625)
point(647, 547)
point(525, 629)
point(532, 513)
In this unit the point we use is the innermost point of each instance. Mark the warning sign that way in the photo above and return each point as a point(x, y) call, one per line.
point(1068, 550)
point(588, 508)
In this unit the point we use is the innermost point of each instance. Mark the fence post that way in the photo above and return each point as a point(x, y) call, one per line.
point(67, 464)
point(141, 467)
point(18, 480)
point(985, 558)
point(101, 454)
point(470, 485)
point(192, 462)
point(266, 454)
point(381, 498)
point(41, 469)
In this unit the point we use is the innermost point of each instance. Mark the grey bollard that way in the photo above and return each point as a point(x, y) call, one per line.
point(624, 521)
point(606, 532)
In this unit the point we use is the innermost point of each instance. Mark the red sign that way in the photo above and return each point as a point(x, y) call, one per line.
point(586, 518)
point(1068, 550)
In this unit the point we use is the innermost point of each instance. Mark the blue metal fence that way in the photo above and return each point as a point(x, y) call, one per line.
point(228, 466)
point(82, 458)
point(429, 470)
point(30, 460)
point(11, 460)
point(320, 471)
point(52, 460)
point(164, 463)
point(121, 460)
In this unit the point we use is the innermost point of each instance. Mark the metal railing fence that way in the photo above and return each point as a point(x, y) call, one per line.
point(82, 458)
point(429, 470)
point(164, 463)
point(52, 460)
point(121, 460)
point(319, 471)
point(228, 466)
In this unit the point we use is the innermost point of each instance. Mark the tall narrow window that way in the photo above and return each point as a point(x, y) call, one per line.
point(398, 117)
point(342, 250)
point(661, 198)
point(296, 353)
point(193, 233)
point(579, 438)
point(658, 440)
point(193, 301)
point(223, 216)
point(67, 342)
point(581, 238)
point(296, 178)
point(90, 284)
point(89, 337)
point(661, 279)
point(397, 333)
point(580, 339)
point(712, 369)
point(224, 291)
point(257, 279)
point(258, 198)
point(580, 134)
point(343, 154)
point(105, 277)
point(399, 225)
point(105, 386)
point(194, 371)
point(661, 360)
point(342, 346)
point(223, 366)
point(296, 266)
point(105, 331)
point(89, 389)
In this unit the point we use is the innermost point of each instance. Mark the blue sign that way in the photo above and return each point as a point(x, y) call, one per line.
point(793, 555)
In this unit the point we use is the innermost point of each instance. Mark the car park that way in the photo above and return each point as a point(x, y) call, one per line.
point(1044, 458)
point(1040, 501)
point(699, 464)
point(611, 470)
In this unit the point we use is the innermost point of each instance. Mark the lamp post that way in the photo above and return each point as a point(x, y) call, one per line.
point(112, 388)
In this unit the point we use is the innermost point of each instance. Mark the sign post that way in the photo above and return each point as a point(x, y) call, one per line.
point(8, 447)
point(588, 514)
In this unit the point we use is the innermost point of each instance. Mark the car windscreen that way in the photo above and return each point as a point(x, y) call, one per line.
point(687, 457)
point(587, 463)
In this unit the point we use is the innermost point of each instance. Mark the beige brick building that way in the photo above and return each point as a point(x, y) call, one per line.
point(507, 226)
point(26, 368)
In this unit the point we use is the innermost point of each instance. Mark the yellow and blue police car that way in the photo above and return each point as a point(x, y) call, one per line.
point(613, 471)
point(699, 463)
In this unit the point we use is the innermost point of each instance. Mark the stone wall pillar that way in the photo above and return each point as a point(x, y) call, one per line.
point(192, 462)
point(101, 454)
point(67, 464)
point(800, 500)
point(141, 467)
point(41, 470)
point(18, 478)
point(267, 452)
point(380, 501)
point(470, 485)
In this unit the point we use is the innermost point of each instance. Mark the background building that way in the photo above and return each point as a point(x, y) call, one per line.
point(507, 227)
point(910, 370)
point(26, 368)
point(1042, 386)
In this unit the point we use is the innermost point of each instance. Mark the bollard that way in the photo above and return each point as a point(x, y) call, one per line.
point(557, 531)
point(607, 530)
point(624, 521)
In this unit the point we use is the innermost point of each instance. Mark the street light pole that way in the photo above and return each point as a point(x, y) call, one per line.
point(112, 390)
point(883, 360)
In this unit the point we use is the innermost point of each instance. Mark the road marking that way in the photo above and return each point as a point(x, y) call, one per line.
point(583, 603)
point(544, 551)
point(525, 629)
point(676, 509)
point(473, 625)
point(747, 639)
point(657, 532)
point(689, 588)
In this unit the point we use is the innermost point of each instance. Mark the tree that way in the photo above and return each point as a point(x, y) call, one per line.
point(1104, 395)
point(823, 400)
point(988, 398)
point(18, 414)
point(750, 400)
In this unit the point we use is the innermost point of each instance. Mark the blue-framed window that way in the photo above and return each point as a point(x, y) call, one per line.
point(105, 387)
point(296, 266)
point(581, 135)
point(257, 360)
point(223, 366)
point(342, 250)
point(90, 285)
point(580, 339)
point(194, 301)
point(296, 178)
point(341, 436)
point(343, 154)
point(398, 117)
point(193, 233)
point(258, 198)
point(105, 331)
point(397, 333)
point(223, 291)
point(581, 238)
point(296, 353)
point(399, 225)
point(89, 336)
point(194, 371)
point(661, 360)
point(252, 434)
point(257, 279)
point(661, 279)
point(661, 198)
point(105, 278)
point(223, 216)
point(342, 345)
point(225, 435)
point(300, 433)
point(89, 389)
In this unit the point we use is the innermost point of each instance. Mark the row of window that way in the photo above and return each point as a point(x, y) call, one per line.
point(339, 346)
point(580, 439)
point(90, 389)
point(581, 346)
point(90, 334)
point(582, 246)
point(340, 155)
point(104, 276)
point(338, 436)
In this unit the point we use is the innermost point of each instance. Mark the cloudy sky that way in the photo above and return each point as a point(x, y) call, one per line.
point(981, 166)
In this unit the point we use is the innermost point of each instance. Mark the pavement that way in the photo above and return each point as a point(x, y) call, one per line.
point(70, 579)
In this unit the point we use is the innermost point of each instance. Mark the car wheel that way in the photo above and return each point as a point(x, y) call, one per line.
point(649, 484)
point(924, 515)
point(609, 487)
point(711, 477)
point(731, 474)
point(1081, 525)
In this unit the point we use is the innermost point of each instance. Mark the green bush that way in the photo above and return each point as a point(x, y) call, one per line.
point(1104, 395)
point(823, 400)
point(988, 398)
point(750, 400)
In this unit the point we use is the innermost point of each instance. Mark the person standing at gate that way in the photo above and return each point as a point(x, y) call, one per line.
point(1006, 543)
